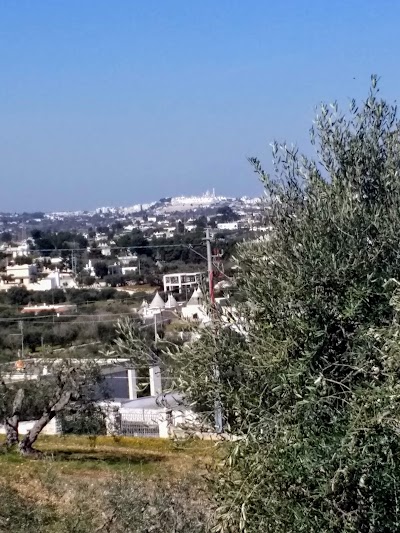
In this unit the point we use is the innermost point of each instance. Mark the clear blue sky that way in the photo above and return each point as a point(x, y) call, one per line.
point(118, 102)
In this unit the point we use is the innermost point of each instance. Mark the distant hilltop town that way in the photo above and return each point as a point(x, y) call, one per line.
point(158, 215)
point(206, 199)
point(171, 204)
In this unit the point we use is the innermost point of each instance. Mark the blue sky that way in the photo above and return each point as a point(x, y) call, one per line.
point(115, 103)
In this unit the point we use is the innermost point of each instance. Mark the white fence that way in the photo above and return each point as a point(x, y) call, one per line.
point(137, 422)
point(163, 423)
point(147, 422)
point(143, 423)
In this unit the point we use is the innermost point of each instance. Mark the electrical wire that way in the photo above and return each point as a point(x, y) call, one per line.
point(132, 247)
point(39, 318)
point(116, 316)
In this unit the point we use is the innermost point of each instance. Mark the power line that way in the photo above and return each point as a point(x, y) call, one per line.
point(130, 299)
point(39, 318)
point(99, 321)
point(87, 302)
point(132, 247)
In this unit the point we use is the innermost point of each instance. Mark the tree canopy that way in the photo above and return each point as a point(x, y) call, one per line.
point(47, 240)
point(307, 372)
point(135, 241)
point(6, 237)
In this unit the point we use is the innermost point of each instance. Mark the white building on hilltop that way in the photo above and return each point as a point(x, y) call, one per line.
point(198, 201)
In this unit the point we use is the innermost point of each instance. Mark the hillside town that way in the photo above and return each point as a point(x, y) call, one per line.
point(158, 217)
point(122, 246)
point(85, 272)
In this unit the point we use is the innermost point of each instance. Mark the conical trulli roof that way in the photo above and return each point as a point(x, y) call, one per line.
point(157, 303)
point(171, 302)
point(196, 298)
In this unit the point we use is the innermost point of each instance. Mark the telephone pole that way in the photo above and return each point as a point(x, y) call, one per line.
point(155, 328)
point(21, 327)
point(217, 403)
point(73, 263)
point(210, 267)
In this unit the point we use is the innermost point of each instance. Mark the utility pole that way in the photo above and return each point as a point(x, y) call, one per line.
point(210, 267)
point(155, 328)
point(217, 403)
point(21, 327)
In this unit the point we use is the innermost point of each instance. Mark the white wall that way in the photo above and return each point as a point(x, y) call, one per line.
point(228, 225)
point(52, 428)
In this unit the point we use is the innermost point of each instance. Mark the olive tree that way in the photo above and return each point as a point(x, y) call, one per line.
point(309, 381)
point(39, 390)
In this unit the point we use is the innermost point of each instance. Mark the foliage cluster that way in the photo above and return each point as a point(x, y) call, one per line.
point(308, 372)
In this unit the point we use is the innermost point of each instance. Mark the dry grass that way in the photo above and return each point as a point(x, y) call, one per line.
point(80, 481)
point(89, 457)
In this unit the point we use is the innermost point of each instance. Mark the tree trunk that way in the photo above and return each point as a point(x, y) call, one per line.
point(12, 436)
point(26, 444)
point(12, 422)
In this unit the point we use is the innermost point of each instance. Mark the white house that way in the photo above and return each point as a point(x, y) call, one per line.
point(181, 281)
point(21, 250)
point(114, 270)
point(54, 280)
point(119, 375)
point(190, 227)
point(128, 270)
point(159, 234)
point(105, 249)
point(230, 226)
point(124, 260)
point(22, 274)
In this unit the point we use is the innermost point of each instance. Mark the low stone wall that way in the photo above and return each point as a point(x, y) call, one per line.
point(52, 428)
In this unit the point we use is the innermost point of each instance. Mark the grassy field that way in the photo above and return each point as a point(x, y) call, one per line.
point(89, 455)
point(85, 485)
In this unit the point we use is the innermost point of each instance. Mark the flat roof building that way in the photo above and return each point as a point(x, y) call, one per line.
point(181, 281)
